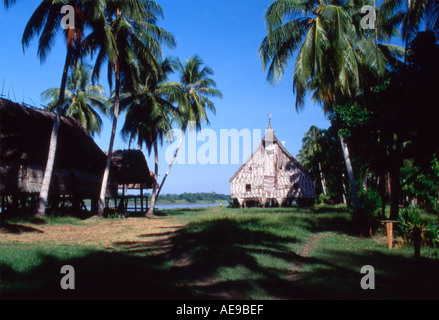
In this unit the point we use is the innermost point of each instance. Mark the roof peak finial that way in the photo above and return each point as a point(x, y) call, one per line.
point(269, 120)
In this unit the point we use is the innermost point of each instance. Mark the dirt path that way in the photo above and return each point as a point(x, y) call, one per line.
point(94, 231)
point(304, 253)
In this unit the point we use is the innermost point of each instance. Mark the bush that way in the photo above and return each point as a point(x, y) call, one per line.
point(432, 235)
point(371, 202)
point(323, 199)
point(410, 219)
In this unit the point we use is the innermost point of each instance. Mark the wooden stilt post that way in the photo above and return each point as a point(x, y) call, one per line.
point(141, 198)
point(135, 204)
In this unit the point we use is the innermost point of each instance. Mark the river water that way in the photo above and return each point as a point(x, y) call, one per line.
point(183, 206)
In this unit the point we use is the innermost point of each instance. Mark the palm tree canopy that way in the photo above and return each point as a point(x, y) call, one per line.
point(83, 100)
point(9, 3)
point(335, 56)
point(46, 22)
point(149, 113)
point(129, 37)
point(197, 87)
point(412, 16)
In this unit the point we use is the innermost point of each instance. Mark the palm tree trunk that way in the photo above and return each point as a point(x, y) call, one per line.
point(350, 173)
point(172, 162)
point(44, 192)
point(395, 185)
point(344, 195)
point(409, 7)
point(154, 188)
point(376, 42)
point(110, 148)
point(322, 179)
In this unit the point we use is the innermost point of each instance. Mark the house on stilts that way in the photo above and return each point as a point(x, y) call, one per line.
point(271, 177)
point(79, 163)
point(133, 175)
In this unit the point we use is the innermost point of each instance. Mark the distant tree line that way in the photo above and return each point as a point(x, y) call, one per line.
point(204, 197)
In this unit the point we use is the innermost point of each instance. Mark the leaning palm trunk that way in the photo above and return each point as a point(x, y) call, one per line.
point(172, 162)
point(154, 188)
point(105, 178)
point(376, 42)
point(322, 179)
point(350, 173)
point(44, 192)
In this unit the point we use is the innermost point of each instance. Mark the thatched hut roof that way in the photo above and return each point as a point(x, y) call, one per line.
point(25, 138)
point(24, 143)
point(132, 169)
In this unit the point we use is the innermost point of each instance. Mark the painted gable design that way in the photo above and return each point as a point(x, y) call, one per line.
point(271, 175)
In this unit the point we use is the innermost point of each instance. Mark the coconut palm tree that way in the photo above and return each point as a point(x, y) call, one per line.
point(82, 99)
point(129, 38)
point(196, 89)
point(149, 116)
point(46, 22)
point(411, 16)
point(335, 59)
point(8, 3)
point(310, 148)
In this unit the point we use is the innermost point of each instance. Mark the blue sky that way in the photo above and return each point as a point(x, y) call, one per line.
point(226, 34)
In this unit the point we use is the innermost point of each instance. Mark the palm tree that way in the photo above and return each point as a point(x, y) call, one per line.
point(196, 87)
point(310, 148)
point(8, 3)
point(149, 114)
point(411, 16)
point(129, 38)
point(335, 58)
point(82, 99)
point(46, 22)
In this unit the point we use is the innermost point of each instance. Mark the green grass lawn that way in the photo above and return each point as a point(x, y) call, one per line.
point(222, 253)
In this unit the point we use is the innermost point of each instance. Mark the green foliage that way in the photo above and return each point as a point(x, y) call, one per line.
point(350, 116)
point(432, 235)
point(189, 197)
point(323, 199)
point(422, 183)
point(410, 220)
point(371, 202)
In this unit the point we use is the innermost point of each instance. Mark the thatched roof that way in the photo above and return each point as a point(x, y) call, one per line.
point(132, 169)
point(25, 138)
point(24, 143)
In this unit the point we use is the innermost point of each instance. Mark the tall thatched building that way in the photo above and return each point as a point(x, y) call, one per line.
point(271, 176)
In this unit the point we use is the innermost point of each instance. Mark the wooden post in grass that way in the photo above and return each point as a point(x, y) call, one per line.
point(390, 234)
point(389, 229)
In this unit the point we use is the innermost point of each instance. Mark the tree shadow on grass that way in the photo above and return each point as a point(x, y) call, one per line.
point(191, 264)
point(17, 229)
point(395, 277)
point(183, 265)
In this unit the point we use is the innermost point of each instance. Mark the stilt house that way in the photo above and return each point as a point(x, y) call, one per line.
point(132, 173)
